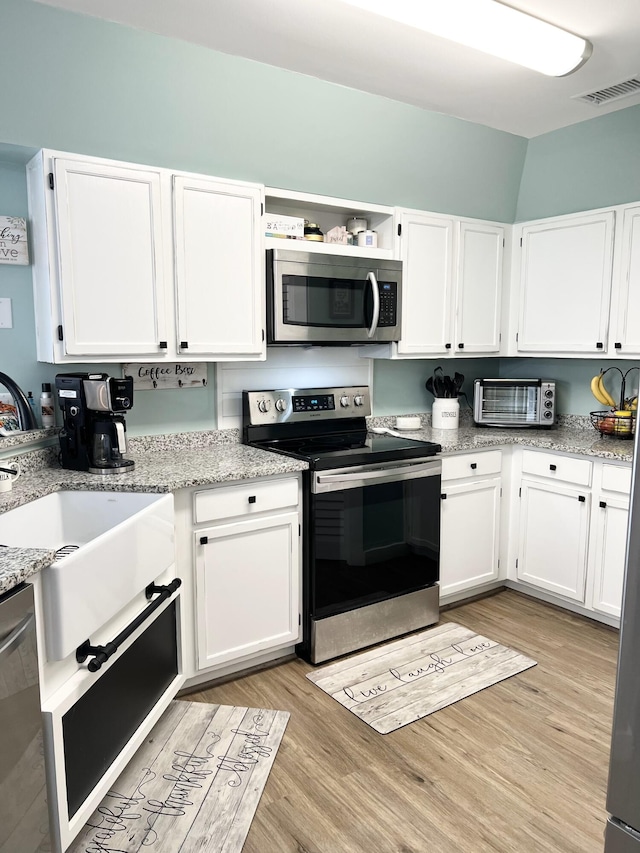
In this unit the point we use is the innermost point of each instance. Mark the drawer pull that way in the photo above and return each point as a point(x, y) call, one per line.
point(474, 465)
point(252, 499)
point(581, 498)
point(552, 467)
point(603, 504)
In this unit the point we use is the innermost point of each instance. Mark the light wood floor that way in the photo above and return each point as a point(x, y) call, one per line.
point(521, 766)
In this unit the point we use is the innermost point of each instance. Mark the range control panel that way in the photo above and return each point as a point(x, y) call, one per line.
point(290, 405)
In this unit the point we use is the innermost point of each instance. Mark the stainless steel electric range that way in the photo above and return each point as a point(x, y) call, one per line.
point(371, 517)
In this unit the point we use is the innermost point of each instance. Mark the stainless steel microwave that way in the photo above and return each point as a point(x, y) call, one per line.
point(332, 300)
point(514, 402)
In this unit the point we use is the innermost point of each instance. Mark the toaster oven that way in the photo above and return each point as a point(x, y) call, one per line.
point(514, 402)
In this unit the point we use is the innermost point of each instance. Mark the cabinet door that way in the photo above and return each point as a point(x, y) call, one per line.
point(626, 332)
point(469, 535)
point(247, 588)
point(219, 268)
point(566, 269)
point(111, 265)
point(479, 288)
point(610, 518)
point(554, 527)
point(427, 274)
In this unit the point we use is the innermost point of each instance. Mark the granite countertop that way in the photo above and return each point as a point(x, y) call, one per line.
point(155, 471)
point(563, 439)
point(179, 462)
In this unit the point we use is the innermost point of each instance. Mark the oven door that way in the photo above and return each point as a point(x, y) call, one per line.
point(374, 545)
point(332, 300)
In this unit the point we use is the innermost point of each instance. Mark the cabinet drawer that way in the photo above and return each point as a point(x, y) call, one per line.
point(243, 500)
point(471, 465)
point(616, 479)
point(557, 467)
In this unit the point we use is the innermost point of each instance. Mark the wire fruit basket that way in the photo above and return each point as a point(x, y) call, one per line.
point(617, 424)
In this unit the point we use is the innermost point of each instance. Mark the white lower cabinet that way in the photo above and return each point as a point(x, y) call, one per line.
point(609, 538)
point(247, 585)
point(470, 521)
point(553, 536)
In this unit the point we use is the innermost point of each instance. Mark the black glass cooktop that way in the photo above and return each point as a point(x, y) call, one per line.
point(350, 448)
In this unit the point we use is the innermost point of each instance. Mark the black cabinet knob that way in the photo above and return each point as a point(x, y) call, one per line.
point(603, 504)
point(599, 345)
point(162, 344)
point(581, 498)
point(460, 346)
point(447, 346)
point(552, 467)
point(443, 497)
point(252, 499)
point(618, 345)
point(474, 465)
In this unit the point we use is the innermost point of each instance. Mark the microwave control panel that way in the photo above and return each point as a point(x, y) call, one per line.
point(388, 303)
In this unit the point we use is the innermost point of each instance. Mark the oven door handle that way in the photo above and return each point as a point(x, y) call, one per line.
point(375, 290)
point(357, 479)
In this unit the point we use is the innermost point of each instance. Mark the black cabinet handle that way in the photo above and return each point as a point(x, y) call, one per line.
point(599, 345)
point(443, 497)
point(447, 346)
point(162, 344)
point(581, 498)
point(474, 465)
point(603, 504)
point(460, 346)
point(252, 499)
point(204, 540)
point(101, 654)
point(618, 345)
point(184, 344)
point(552, 467)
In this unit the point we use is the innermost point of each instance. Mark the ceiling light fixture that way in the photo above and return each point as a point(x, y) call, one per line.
point(491, 27)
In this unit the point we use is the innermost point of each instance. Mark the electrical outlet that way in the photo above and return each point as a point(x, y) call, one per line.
point(6, 317)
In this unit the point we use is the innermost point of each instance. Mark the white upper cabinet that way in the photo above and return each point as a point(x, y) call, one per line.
point(101, 240)
point(426, 250)
point(565, 284)
point(452, 285)
point(219, 268)
point(479, 287)
point(135, 263)
point(625, 326)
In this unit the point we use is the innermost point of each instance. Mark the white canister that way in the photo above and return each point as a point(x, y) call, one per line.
point(445, 413)
point(369, 239)
point(7, 476)
point(355, 224)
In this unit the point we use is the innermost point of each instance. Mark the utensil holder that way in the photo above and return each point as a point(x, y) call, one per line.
point(445, 413)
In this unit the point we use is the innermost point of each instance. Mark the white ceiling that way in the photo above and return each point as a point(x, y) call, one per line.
point(336, 42)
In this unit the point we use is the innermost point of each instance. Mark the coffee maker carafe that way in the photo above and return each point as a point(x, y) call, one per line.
point(93, 437)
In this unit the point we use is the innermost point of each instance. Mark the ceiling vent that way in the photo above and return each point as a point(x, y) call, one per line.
point(611, 93)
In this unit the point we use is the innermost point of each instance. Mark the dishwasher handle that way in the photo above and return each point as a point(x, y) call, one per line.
point(16, 637)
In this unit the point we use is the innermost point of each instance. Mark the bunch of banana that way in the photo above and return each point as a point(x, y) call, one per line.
point(600, 392)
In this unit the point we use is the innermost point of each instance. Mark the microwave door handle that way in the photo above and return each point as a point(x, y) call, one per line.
point(375, 290)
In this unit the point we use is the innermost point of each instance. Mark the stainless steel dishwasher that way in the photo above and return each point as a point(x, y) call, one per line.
point(24, 822)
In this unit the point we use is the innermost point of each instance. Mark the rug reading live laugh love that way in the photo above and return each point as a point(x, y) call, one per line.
point(194, 785)
point(401, 682)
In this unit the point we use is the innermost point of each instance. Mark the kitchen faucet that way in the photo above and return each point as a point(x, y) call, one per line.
point(26, 418)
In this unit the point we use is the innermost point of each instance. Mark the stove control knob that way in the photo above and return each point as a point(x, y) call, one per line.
point(281, 405)
point(264, 405)
point(358, 400)
point(344, 401)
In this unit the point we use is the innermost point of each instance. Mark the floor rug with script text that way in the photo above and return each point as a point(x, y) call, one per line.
point(194, 785)
point(398, 683)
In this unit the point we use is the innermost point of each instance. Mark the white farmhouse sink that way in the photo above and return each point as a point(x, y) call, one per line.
point(124, 541)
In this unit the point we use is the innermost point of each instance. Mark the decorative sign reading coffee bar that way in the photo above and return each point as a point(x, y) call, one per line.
point(13, 240)
point(155, 376)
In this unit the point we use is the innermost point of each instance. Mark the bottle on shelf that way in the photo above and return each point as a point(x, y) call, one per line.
point(47, 407)
point(32, 403)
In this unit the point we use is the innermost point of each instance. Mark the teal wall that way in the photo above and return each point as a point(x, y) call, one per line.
point(592, 164)
point(89, 86)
